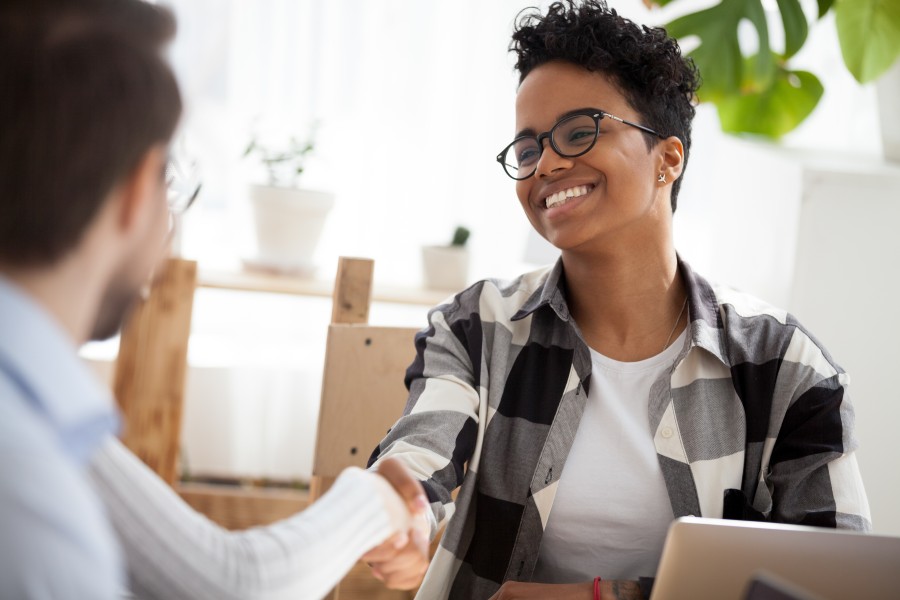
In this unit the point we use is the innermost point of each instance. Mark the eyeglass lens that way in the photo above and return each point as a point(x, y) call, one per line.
point(183, 184)
point(570, 137)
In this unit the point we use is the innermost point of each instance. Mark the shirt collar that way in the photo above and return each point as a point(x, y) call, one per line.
point(706, 323)
point(707, 331)
point(551, 293)
point(42, 361)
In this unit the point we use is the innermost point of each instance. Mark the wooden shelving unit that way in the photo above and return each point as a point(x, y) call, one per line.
point(150, 375)
point(253, 281)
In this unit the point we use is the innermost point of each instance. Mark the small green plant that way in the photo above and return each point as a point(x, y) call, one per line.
point(283, 166)
point(460, 236)
point(761, 93)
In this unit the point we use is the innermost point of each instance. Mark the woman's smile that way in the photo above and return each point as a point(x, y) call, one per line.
point(563, 196)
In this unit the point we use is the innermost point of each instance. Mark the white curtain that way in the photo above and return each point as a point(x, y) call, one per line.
point(414, 100)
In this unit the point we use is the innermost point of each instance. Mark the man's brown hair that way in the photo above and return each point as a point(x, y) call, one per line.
point(84, 94)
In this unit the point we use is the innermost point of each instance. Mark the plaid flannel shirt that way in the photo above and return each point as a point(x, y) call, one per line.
point(751, 422)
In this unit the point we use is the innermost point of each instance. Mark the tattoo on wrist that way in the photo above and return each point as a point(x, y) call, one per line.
point(626, 590)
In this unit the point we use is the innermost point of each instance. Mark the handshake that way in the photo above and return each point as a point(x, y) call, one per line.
point(401, 561)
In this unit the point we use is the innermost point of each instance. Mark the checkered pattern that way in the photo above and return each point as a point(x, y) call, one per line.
point(752, 422)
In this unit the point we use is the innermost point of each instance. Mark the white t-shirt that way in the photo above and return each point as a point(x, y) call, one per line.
point(611, 511)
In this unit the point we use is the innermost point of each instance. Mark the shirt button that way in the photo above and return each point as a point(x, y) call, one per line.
point(666, 432)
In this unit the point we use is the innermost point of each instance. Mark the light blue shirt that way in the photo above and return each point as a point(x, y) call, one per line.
point(55, 540)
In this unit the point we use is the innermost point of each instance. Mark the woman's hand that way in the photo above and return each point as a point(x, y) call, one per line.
point(401, 561)
point(609, 590)
point(519, 590)
point(406, 485)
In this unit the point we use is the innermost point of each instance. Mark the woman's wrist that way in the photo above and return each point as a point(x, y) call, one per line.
point(620, 590)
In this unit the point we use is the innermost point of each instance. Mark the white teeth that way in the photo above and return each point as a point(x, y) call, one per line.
point(562, 196)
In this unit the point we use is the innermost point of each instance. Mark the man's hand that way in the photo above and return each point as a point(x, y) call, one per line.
point(406, 486)
point(402, 560)
point(609, 590)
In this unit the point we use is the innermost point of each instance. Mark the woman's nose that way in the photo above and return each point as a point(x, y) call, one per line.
point(551, 161)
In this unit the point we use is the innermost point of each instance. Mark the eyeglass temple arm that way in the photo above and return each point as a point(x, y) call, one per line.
point(641, 127)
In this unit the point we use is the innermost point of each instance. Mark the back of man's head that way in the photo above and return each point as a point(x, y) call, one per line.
point(84, 94)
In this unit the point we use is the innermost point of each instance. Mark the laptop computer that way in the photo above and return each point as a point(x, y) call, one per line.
point(718, 559)
point(765, 586)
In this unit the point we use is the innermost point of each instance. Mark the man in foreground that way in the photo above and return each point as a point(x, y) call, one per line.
point(87, 111)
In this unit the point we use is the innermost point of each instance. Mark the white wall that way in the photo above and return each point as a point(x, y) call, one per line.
point(846, 291)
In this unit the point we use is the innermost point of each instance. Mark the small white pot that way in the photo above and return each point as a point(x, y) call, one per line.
point(888, 92)
point(445, 267)
point(289, 223)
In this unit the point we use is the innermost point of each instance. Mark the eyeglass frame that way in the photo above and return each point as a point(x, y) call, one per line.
point(595, 113)
point(174, 172)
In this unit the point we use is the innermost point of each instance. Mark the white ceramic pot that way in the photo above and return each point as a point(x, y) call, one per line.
point(445, 267)
point(888, 91)
point(289, 223)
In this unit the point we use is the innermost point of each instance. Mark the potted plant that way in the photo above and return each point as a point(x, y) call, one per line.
point(761, 93)
point(447, 267)
point(288, 219)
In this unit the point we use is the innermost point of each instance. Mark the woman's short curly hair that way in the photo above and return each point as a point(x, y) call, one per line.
point(644, 62)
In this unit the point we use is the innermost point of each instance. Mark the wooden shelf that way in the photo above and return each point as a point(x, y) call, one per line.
point(241, 508)
point(249, 281)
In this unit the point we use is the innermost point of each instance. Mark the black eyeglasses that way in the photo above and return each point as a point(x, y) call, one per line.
point(572, 136)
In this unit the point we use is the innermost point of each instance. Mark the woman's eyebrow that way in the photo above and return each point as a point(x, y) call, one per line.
point(578, 111)
point(527, 131)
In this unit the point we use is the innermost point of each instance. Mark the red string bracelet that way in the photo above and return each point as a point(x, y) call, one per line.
point(596, 588)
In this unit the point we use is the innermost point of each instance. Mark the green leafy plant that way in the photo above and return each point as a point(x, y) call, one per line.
point(283, 165)
point(460, 236)
point(761, 94)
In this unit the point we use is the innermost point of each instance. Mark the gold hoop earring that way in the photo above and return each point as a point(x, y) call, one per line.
point(661, 178)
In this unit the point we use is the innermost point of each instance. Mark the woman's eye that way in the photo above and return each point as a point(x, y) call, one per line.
point(527, 156)
point(581, 136)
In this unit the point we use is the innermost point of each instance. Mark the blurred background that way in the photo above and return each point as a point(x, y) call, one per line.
point(406, 103)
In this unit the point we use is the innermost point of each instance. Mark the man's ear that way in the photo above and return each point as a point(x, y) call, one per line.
point(671, 157)
point(139, 191)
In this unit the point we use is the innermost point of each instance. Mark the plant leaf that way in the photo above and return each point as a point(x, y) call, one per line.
point(460, 236)
point(765, 59)
point(795, 26)
point(824, 5)
point(718, 57)
point(869, 32)
point(775, 111)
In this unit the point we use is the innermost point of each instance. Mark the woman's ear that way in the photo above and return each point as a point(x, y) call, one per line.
point(671, 158)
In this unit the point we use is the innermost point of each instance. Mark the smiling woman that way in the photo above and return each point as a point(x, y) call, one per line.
point(622, 176)
point(580, 408)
